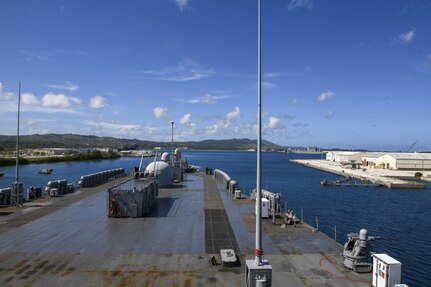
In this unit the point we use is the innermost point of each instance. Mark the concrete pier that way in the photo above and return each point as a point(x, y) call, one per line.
point(383, 177)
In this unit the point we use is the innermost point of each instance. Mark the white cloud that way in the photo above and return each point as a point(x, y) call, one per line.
point(221, 126)
point(185, 119)
point(273, 122)
point(31, 55)
point(329, 115)
point(98, 102)
point(58, 100)
point(407, 37)
point(218, 128)
point(112, 94)
point(268, 85)
point(161, 113)
point(294, 4)
point(207, 99)
point(50, 103)
point(190, 130)
point(113, 125)
point(31, 122)
point(186, 70)
point(324, 96)
point(294, 101)
point(31, 103)
point(29, 99)
point(426, 63)
point(68, 86)
point(49, 110)
point(182, 4)
point(273, 75)
point(117, 126)
point(5, 95)
point(233, 114)
point(75, 100)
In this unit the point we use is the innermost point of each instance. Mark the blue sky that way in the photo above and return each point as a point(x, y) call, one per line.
point(351, 74)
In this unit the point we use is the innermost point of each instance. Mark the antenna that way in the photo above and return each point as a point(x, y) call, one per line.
point(17, 135)
point(258, 252)
point(155, 163)
point(142, 159)
point(408, 149)
point(258, 272)
point(172, 123)
point(17, 186)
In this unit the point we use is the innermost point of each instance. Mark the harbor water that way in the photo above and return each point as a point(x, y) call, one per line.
point(399, 216)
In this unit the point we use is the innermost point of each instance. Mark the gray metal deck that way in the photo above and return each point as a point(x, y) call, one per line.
point(76, 244)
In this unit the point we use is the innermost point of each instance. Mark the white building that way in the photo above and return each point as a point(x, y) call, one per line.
point(372, 159)
point(394, 161)
point(349, 157)
point(353, 158)
point(330, 155)
point(405, 161)
point(341, 156)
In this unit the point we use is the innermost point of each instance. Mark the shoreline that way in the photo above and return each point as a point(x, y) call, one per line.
point(8, 161)
point(382, 177)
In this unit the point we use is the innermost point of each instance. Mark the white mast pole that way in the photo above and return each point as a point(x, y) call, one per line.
point(172, 142)
point(15, 195)
point(17, 136)
point(258, 252)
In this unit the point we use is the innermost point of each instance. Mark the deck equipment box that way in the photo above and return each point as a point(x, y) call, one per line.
point(386, 271)
point(265, 208)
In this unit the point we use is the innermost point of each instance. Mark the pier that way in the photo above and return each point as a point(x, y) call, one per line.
point(72, 241)
point(382, 177)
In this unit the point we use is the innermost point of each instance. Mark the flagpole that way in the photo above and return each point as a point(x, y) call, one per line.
point(258, 252)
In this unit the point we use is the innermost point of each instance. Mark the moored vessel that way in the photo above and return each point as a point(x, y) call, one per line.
point(45, 171)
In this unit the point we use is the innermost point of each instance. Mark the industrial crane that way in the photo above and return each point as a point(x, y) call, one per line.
point(411, 146)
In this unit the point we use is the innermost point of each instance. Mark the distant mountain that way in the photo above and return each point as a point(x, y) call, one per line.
point(82, 141)
point(229, 144)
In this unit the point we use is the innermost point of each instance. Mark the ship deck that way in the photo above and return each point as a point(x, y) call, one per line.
point(72, 242)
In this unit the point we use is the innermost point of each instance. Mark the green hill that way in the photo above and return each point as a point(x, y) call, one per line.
point(83, 141)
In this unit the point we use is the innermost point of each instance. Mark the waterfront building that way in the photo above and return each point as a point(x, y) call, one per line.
point(348, 157)
point(330, 156)
point(394, 161)
point(107, 149)
point(405, 161)
point(372, 159)
point(345, 156)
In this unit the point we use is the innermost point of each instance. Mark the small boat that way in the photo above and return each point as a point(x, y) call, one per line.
point(346, 182)
point(1, 173)
point(342, 181)
point(324, 182)
point(45, 171)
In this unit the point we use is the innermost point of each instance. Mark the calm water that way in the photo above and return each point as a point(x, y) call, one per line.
point(401, 217)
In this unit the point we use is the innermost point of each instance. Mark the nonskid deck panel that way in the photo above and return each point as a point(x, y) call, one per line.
point(218, 232)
